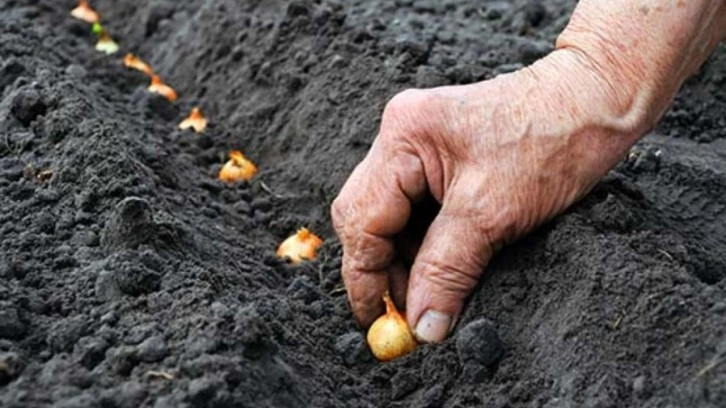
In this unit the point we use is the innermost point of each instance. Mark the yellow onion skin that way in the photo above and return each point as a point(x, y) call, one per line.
point(301, 246)
point(389, 337)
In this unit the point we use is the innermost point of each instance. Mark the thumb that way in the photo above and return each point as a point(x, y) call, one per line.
point(453, 254)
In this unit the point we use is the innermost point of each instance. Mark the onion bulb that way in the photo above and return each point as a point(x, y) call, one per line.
point(134, 62)
point(238, 168)
point(85, 12)
point(105, 42)
point(389, 336)
point(157, 86)
point(299, 247)
point(195, 120)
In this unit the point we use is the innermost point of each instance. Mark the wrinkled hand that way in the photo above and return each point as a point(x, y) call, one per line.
point(500, 156)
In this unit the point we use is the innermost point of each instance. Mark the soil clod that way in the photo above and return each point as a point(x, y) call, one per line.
point(27, 105)
point(352, 348)
point(478, 342)
point(130, 225)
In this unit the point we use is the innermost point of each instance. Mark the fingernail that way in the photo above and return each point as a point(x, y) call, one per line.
point(432, 327)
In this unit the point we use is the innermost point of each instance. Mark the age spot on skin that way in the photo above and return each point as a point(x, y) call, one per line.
point(644, 10)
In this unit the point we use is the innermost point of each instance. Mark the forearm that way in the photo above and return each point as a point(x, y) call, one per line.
point(644, 49)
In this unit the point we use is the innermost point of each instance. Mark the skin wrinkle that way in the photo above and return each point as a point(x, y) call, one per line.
point(441, 272)
point(456, 281)
point(530, 149)
point(583, 35)
point(553, 96)
point(371, 252)
point(356, 275)
point(487, 223)
point(538, 150)
point(577, 132)
point(627, 115)
point(514, 152)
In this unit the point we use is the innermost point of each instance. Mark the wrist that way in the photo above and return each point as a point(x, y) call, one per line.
point(642, 51)
point(570, 86)
point(618, 104)
point(579, 109)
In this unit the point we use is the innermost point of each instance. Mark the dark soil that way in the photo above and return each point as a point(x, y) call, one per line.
point(131, 258)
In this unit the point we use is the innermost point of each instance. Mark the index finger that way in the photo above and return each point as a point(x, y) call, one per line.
point(373, 206)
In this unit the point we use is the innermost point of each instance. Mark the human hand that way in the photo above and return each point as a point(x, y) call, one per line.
point(500, 156)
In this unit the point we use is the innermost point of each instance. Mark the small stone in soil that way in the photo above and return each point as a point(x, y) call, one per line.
point(479, 342)
point(647, 161)
point(152, 350)
point(27, 105)
point(534, 13)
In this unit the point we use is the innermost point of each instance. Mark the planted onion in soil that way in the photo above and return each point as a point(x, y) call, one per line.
point(105, 42)
point(389, 337)
point(238, 168)
point(300, 247)
point(134, 62)
point(159, 87)
point(85, 12)
point(195, 120)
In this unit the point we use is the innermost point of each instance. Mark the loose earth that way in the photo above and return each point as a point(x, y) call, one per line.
point(131, 277)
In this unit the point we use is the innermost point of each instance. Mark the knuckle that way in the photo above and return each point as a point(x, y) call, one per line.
point(413, 112)
point(406, 98)
point(402, 105)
